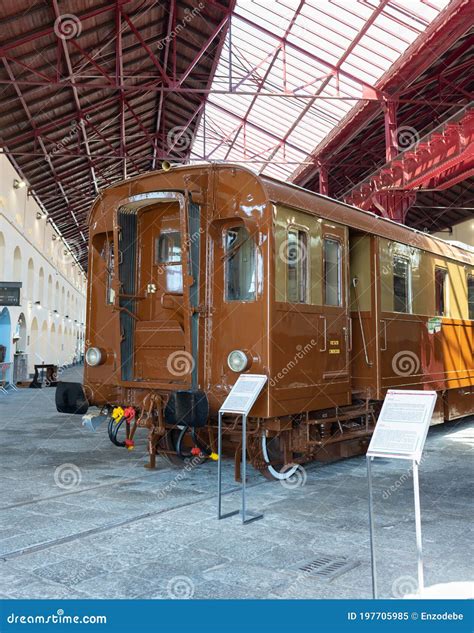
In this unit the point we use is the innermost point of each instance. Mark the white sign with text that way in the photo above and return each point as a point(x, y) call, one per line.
point(244, 393)
point(403, 424)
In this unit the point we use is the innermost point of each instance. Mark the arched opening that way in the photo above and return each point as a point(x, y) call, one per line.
point(44, 346)
point(5, 347)
point(63, 300)
point(59, 358)
point(53, 347)
point(17, 264)
point(2, 257)
point(30, 280)
point(56, 297)
point(19, 335)
point(33, 358)
point(40, 295)
point(50, 291)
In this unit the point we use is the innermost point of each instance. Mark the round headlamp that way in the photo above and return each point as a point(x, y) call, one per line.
point(238, 360)
point(94, 356)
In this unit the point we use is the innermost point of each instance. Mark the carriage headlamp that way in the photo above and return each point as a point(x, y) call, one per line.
point(238, 360)
point(94, 356)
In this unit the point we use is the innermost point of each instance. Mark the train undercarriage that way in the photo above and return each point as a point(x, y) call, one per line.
point(275, 447)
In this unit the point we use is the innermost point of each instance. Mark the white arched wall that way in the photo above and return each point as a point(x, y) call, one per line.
point(27, 256)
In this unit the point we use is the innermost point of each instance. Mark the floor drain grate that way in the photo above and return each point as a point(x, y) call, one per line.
point(327, 567)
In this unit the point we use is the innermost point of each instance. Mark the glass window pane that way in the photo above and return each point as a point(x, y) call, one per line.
point(401, 284)
point(440, 291)
point(168, 248)
point(297, 267)
point(332, 273)
point(240, 277)
point(110, 292)
point(470, 295)
point(174, 278)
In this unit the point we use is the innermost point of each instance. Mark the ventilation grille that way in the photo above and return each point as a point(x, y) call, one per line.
point(327, 567)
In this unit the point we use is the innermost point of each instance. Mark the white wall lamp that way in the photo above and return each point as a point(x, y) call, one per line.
point(18, 184)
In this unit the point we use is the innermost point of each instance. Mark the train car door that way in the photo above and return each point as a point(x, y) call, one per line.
point(334, 326)
point(162, 330)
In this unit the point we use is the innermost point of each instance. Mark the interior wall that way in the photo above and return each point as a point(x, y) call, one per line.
point(31, 252)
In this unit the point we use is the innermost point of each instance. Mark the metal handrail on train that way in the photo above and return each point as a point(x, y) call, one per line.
point(355, 281)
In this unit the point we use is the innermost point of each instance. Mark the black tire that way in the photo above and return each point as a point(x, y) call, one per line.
point(70, 398)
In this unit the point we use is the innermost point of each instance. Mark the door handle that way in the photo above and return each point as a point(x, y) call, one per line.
point(325, 335)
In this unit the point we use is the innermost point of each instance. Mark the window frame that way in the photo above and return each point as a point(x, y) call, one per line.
point(470, 309)
point(226, 259)
point(306, 269)
point(409, 284)
point(445, 291)
point(340, 290)
point(170, 262)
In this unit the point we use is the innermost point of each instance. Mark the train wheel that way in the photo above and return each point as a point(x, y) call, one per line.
point(273, 457)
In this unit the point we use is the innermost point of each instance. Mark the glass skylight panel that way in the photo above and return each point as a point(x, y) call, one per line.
point(321, 32)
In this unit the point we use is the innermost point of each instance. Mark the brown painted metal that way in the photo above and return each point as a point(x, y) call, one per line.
point(319, 407)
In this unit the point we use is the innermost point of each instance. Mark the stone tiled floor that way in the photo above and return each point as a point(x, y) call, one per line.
point(82, 518)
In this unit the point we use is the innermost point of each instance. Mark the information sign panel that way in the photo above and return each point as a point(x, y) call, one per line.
point(403, 424)
point(244, 393)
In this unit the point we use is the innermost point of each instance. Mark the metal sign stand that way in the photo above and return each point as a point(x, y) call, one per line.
point(248, 388)
point(419, 549)
point(401, 433)
point(247, 516)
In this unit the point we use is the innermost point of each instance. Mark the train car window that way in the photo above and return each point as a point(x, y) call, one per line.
point(332, 272)
point(240, 274)
point(109, 258)
point(168, 254)
point(470, 295)
point(168, 248)
point(401, 284)
point(297, 266)
point(440, 291)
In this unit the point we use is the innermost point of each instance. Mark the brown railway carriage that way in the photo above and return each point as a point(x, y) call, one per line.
point(202, 272)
